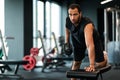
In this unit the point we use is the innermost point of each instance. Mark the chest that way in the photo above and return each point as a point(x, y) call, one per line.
point(77, 32)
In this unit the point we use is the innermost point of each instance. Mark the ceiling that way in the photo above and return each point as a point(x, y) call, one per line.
point(112, 3)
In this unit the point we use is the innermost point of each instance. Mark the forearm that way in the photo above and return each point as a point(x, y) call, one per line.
point(67, 36)
point(91, 54)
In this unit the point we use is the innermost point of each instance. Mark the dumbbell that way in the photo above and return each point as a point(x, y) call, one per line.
point(67, 49)
point(31, 58)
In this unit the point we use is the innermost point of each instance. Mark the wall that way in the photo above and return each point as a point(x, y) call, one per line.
point(14, 27)
point(90, 10)
point(63, 18)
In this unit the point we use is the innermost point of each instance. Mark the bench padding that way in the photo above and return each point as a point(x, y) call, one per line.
point(81, 73)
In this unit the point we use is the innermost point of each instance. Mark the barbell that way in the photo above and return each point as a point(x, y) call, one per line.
point(34, 54)
point(33, 58)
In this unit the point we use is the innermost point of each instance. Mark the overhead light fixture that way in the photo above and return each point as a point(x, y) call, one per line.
point(105, 1)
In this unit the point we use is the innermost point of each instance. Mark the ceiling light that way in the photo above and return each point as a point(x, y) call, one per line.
point(105, 1)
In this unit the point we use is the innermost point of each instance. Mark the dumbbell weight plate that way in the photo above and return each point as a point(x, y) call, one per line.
point(31, 64)
point(34, 51)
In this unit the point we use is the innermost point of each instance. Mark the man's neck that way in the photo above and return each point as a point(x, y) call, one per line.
point(76, 24)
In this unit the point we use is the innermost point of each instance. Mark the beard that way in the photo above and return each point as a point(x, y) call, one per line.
point(76, 21)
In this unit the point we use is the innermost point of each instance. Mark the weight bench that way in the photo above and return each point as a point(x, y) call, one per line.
point(11, 62)
point(82, 74)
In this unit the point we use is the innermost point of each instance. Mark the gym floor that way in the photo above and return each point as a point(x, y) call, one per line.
point(58, 73)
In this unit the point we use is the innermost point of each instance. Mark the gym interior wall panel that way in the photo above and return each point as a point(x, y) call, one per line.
point(100, 22)
point(28, 26)
point(14, 28)
point(89, 9)
point(63, 18)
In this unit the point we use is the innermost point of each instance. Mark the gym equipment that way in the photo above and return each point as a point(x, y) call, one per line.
point(68, 49)
point(50, 59)
point(44, 51)
point(114, 53)
point(34, 51)
point(82, 74)
point(61, 40)
point(3, 46)
point(46, 59)
point(31, 59)
point(49, 56)
point(1, 53)
point(31, 64)
point(12, 62)
point(112, 34)
point(56, 46)
point(3, 50)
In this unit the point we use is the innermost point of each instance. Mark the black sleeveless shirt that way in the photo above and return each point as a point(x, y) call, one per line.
point(78, 39)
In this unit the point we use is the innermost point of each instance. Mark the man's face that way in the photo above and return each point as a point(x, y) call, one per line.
point(74, 15)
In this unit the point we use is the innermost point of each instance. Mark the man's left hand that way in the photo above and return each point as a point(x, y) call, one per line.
point(90, 68)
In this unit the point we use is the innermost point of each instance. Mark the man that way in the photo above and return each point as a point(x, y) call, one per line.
point(84, 36)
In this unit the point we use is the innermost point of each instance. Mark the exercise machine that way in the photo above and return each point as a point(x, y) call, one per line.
point(82, 74)
point(49, 60)
point(112, 44)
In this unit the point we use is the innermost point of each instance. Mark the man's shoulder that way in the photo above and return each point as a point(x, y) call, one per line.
point(86, 18)
point(85, 21)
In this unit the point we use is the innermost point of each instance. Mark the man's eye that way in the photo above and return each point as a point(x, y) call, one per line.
point(75, 14)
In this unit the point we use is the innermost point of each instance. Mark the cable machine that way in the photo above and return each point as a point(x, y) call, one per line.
point(112, 46)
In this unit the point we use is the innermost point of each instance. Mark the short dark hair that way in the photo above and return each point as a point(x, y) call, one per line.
point(73, 6)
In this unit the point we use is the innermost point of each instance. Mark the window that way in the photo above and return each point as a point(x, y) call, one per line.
point(52, 24)
point(40, 26)
point(53, 12)
point(40, 17)
point(55, 18)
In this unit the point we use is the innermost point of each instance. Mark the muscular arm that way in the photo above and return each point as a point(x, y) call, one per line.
point(90, 45)
point(67, 35)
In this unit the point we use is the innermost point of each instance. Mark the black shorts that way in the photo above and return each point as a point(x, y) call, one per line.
point(79, 54)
